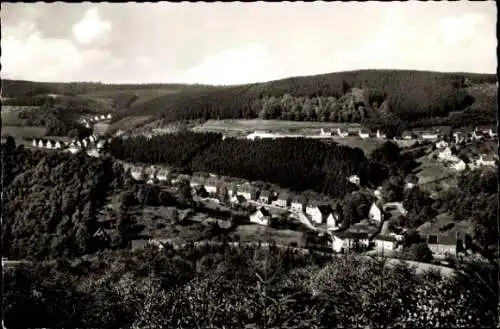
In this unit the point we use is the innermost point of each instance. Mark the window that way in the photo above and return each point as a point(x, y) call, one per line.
point(432, 239)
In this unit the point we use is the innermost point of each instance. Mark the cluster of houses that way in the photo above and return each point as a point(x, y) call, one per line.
point(91, 144)
point(449, 156)
point(97, 118)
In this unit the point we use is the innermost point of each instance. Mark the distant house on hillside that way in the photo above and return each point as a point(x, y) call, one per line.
point(49, 144)
point(333, 222)
point(211, 185)
point(354, 179)
point(283, 200)
point(429, 136)
point(325, 133)
point(57, 145)
point(108, 116)
point(441, 145)
point(35, 142)
point(492, 134)
point(381, 135)
point(385, 242)
point(261, 217)
point(342, 132)
point(363, 133)
point(408, 135)
point(347, 241)
point(162, 175)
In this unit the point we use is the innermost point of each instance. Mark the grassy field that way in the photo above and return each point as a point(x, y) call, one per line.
point(24, 132)
point(254, 233)
point(129, 123)
point(257, 124)
point(144, 95)
point(10, 115)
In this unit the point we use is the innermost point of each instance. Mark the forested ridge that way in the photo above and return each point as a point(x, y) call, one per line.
point(295, 163)
point(345, 96)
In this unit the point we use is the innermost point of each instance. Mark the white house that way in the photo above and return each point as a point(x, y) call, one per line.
point(325, 133)
point(383, 242)
point(84, 142)
point(407, 135)
point(354, 179)
point(492, 134)
point(96, 118)
point(441, 145)
point(35, 143)
point(100, 144)
point(446, 155)
point(375, 213)
point(332, 222)
point(344, 241)
point(78, 143)
point(57, 145)
point(264, 196)
point(319, 213)
point(137, 173)
point(49, 145)
point(108, 116)
point(92, 139)
point(381, 135)
point(40, 143)
point(476, 135)
point(103, 117)
point(363, 134)
point(378, 192)
point(261, 217)
point(342, 133)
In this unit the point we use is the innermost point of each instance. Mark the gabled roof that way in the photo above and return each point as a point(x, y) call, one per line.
point(384, 237)
point(264, 211)
point(325, 209)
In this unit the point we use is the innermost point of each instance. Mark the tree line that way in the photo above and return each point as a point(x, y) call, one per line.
point(409, 95)
point(299, 164)
point(220, 287)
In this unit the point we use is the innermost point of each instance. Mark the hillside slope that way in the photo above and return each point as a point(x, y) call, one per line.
point(409, 95)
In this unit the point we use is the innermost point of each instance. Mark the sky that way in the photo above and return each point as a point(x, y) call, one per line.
point(235, 43)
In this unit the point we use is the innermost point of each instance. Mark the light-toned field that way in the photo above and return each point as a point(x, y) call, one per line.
point(10, 114)
point(129, 123)
point(24, 132)
point(254, 233)
point(144, 95)
point(257, 124)
point(366, 145)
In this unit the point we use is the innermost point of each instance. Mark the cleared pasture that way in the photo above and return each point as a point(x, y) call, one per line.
point(24, 132)
point(257, 124)
point(10, 114)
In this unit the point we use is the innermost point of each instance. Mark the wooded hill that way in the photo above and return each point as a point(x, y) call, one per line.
point(370, 97)
point(353, 96)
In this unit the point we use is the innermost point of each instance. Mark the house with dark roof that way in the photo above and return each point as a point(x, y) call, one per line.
point(386, 242)
point(445, 236)
point(247, 191)
point(350, 241)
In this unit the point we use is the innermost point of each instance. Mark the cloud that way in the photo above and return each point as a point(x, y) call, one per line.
point(248, 63)
point(90, 28)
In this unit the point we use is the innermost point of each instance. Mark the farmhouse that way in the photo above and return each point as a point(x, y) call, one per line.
point(49, 144)
point(459, 166)
point(108, 116)
point(35, 143)
point(196, 181)
point(264, 196)
point(41, 143)
point(486, 160)
point(325, 133)
point(297, 204)
point(162, 175)
point(492, 134)
point(460, 137)
point(73, 149)
point(93, 153)
point(261, 217)
point(441, 145)
point(57, 145)
point(100, 144)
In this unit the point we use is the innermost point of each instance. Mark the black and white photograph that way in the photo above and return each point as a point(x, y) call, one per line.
point(260, 165)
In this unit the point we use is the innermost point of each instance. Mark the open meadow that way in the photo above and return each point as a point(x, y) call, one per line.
point(19, 132)
point(10, 114)
point(257, 124)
